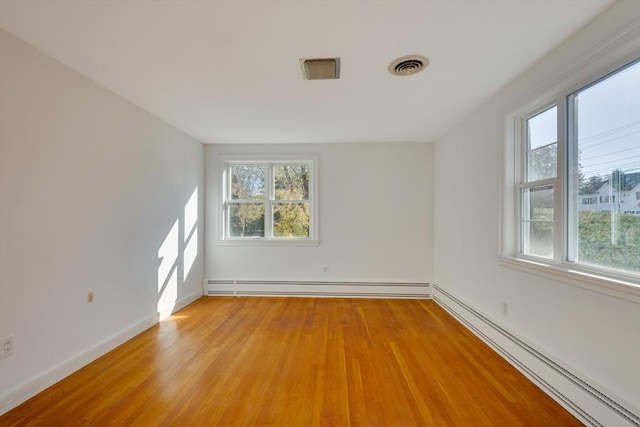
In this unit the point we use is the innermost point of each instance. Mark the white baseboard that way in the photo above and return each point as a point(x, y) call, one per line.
point(27, 390)
point(316, 289)
point(590, 402)
point(168, 310)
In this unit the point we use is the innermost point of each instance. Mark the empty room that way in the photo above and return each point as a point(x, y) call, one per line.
point(323, 212)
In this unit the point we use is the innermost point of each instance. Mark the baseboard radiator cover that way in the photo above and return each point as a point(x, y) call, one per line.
point(590, 403)
point(317, 289)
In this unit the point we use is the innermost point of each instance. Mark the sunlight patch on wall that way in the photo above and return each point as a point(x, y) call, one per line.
point(168, 271)
point(190, 232)
point(177, 255)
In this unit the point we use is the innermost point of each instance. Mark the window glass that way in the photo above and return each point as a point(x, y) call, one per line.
point(291, 182)
point(246, 219)
point(542, 145)
point(247, 181)
point(290, 219)
point(537, 221)
point(606, 141)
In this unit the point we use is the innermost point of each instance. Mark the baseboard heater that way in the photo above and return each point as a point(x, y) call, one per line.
point(317, 289)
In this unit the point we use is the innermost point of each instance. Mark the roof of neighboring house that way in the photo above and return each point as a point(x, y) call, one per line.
point(628, 182)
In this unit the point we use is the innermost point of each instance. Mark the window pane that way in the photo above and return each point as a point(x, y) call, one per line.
point(290, 219)
point(542, 147)
point(606, 130)
point(291, 182)
point(247, 181)
point(609, 239)
point(246, 219)
point(537, 221)
point(541, 163)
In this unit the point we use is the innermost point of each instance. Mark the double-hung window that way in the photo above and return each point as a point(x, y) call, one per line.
point(539, 182)
point(575, 176)
point(269, 201)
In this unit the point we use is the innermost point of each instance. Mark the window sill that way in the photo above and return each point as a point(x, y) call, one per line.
point(620, 287)
point(268, 242)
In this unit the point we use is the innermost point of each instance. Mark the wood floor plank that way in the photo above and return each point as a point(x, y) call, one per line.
point(297, 362)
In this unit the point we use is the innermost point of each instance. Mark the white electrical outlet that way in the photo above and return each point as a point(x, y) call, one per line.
point(6, 349)
point(325, 270)
point(505, 309)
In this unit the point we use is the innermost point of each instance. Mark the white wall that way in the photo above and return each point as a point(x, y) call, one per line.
point(91, 187)
point(374, 213)
point(597, 335)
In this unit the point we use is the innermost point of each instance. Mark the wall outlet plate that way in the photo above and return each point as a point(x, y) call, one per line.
point(6, 347)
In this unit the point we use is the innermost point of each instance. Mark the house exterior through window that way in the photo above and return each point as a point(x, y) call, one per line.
point(576, 178)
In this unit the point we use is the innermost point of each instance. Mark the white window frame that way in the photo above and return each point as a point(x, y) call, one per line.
point(270, 161)
point(558, 268)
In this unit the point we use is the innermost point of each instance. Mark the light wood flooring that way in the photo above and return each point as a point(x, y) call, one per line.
point(297, 362)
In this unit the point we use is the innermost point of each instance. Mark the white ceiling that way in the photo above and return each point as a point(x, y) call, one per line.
point(228, 71)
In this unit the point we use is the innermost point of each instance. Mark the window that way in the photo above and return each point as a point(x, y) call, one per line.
point(604, 147)
point(268, 200)
point(607, 199)
point(539, 180)
point(577, 157)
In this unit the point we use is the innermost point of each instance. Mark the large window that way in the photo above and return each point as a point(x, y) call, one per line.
point(576, 176)
point(268, 200)
point(604, 160)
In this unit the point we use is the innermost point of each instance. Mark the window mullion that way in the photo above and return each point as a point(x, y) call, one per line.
point(226, 196)
point(571, 181)
point(560, 186)
point(519, 174)
point(268, 208)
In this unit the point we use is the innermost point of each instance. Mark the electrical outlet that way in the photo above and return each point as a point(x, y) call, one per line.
point(325, 270)
point(505, 309)
point(6, 349)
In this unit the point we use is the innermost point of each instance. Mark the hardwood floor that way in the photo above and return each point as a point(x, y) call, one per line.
point(298, 362)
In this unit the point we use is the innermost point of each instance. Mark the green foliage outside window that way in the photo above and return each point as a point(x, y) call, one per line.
point(288, 196)
point(614, 244)
point(291, 219)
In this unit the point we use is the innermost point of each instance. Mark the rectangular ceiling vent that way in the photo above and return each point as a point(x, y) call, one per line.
point(320, 68)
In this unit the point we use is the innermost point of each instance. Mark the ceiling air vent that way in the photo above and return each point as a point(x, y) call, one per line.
point(408, 65)
point(320, 69)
